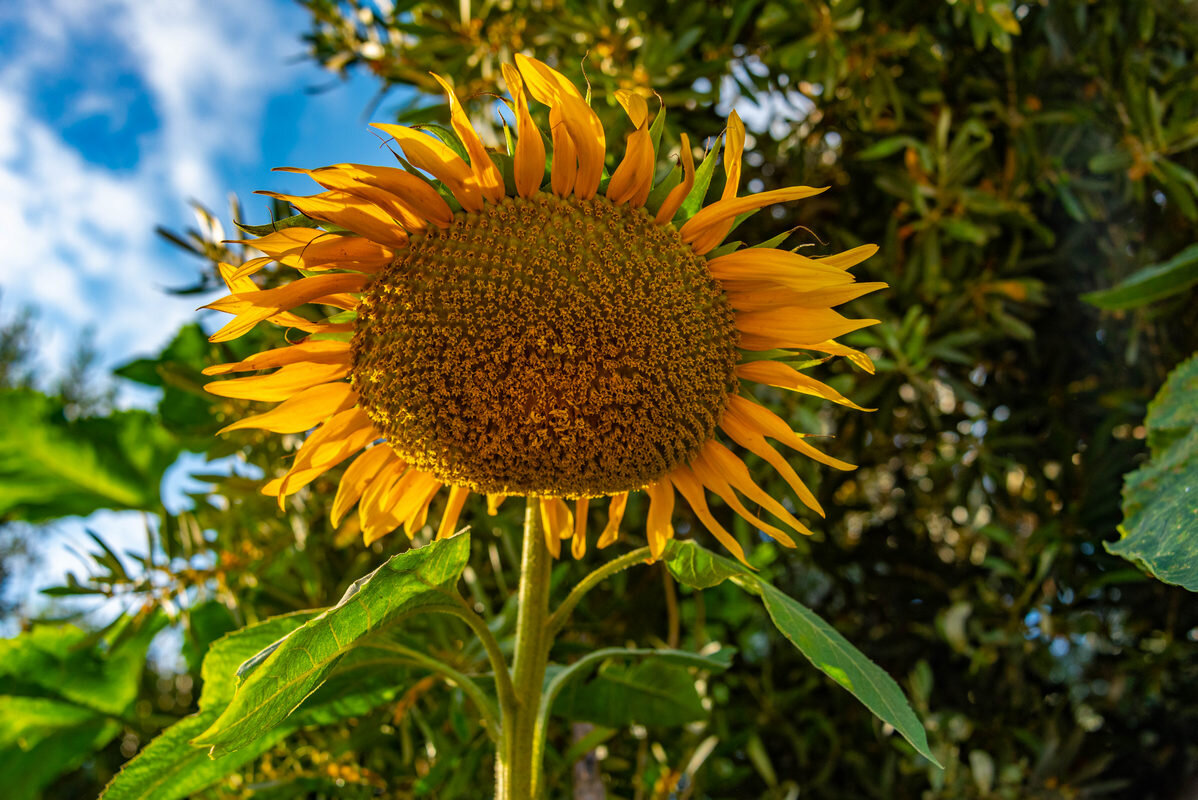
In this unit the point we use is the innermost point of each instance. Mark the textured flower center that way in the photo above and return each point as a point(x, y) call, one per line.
point(546, 346)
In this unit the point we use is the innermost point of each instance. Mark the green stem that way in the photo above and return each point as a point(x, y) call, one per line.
point(503, 679)
point(562, 614)
point(518, 773)
point(460, 679)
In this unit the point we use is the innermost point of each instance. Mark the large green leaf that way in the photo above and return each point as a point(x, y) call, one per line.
point(169, 767)
point(658, 689)
point(1154, 282)
point(827, 650)
point(1160, 500)
point(54, 467)
point(275, 681)
point(64, 691)
point(71, 664)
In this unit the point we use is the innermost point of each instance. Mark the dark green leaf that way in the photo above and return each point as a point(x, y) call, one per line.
point(1160, 515)
point(53, 467)
point(274, 682)
point(295, 221)
point(1151, 283)
point(169, 767)
point(827, 650)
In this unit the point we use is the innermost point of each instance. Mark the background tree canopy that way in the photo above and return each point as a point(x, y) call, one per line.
point(1029, 172)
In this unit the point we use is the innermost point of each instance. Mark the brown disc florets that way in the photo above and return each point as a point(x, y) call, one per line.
point(546, 346)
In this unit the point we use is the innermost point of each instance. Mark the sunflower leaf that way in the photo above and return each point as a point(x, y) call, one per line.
point(1160, 499)
point(830, 652)
point(274, 682)
point(658, 689)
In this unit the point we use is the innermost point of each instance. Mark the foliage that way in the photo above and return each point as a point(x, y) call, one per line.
point(1010, 159)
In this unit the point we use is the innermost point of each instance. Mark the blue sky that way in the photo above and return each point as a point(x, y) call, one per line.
point(114, 114)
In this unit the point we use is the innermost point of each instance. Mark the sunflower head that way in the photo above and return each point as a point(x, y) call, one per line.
point(571, 336)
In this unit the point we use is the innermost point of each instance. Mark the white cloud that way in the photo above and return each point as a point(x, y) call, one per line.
point(78, 238)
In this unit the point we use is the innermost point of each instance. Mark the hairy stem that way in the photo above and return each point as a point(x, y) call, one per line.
point(519, 772)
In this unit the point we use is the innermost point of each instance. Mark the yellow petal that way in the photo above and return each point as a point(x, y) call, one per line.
point(414, 193)
point(850, 258)
point(358, 475)
point(678, 194)
point(733, 151)
point(529, 164)
point(754, 442)
point(453, 510)
point(313, 248)
point(733, 470)
point(781, 328)
point(690, 488)
point(633, 179)
point(494, 501)
point(784, 376)
point(350, 212)
point(578, 547)
point(373, 510)
point(659, 524)
point(615, 513)
point(326, 447)
point(755, 417)
point(564, 171)
point(486, 175)
point(289, 380)
point(702, 230)
point(764, 297)
point(433, 156)
point(555, 517)
point(300, 412)
point(586, 131)
point(319, 352)
point(837, 349)
point(715, 481)
point(776, 266)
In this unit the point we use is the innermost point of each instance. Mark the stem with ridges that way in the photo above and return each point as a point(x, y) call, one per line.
point(518, 775)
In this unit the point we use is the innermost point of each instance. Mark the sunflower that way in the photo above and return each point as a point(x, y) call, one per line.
point(570, 339)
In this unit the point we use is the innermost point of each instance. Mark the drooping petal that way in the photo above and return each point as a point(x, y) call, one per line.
point(578, 546)
point(784, 376)
point(558, 523)
point(326, 447)
point(530, 149)
point(752, 440)
point(755, 417)
point(850, 258)
point(714, 480)
point(702, 231)
point(487, 176)
point(615, 513)
point(290, 380)
point(494, 501)
point(426, 152)
point(313, 248)
point(350, 212)
point(733, 152)
point(776, 266)
point(357, 476)
point(302, 411)
point(633, 179)
point(659, 527)
point(764, 297)
point(453, 510)
point(733, 470)
point(586, 131)
point(564, 170)
point(837, 349)
point(784, 328)
point(678, 194)
point(691, 488)
point(318, 352)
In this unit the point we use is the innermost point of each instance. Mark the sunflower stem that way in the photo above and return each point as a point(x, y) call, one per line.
point(519, 773)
